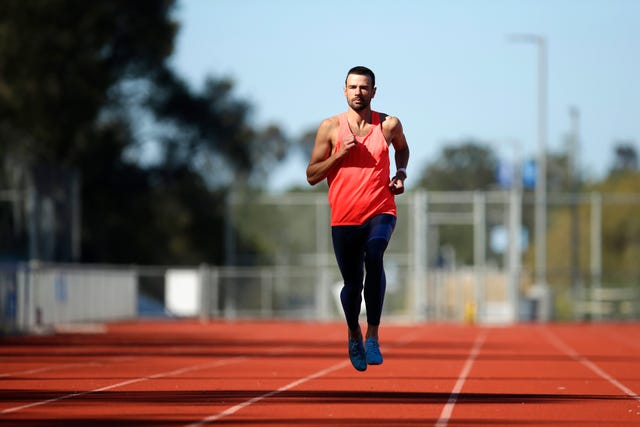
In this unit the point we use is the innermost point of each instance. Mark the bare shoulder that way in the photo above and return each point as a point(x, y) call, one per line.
point(389, 122)
point(330, 122)
point(391, 125)
point(328, 128)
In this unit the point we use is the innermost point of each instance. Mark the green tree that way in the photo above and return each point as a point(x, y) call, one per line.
point(626, 157)
point(211, 131)
point(83, 86)
point(469, 165)
point(466, 166)
point(621, 229)
point(60, 61)
point(620, 235)
point(62, 64)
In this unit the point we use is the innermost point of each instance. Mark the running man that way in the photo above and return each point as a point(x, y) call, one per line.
point(351, 151)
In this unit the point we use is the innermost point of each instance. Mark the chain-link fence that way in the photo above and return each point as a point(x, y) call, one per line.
point(453, 257)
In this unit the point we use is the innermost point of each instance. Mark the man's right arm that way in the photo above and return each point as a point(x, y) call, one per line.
point(322, 158)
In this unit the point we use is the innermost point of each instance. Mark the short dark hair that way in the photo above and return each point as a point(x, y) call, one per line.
point(362, 71)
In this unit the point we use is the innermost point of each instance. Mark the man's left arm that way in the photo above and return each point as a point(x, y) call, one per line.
point(401, 149)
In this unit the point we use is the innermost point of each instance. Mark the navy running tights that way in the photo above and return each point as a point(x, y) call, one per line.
point(360, 248)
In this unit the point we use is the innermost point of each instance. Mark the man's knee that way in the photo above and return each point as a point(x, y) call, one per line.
point(375, 250)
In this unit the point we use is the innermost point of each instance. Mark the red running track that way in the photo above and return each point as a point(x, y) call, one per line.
point(185, 373)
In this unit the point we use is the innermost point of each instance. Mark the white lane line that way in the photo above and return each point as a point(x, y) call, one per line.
point(233, 409)
point(46, 369)
point(569, 351)
point(49, 368)
point(128, 382)
point(445, 415)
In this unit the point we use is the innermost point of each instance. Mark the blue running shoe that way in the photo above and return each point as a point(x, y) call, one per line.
point(357, 355)
point(374, 357)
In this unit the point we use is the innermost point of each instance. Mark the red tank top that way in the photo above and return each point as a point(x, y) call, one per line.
point(359, 185)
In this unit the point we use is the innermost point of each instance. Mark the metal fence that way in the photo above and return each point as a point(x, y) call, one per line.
point(36, 296)
point(296, 274)
point(479, 238)
point(40, 297)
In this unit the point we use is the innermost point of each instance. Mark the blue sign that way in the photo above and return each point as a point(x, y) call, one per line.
point(504, 174)
point(529, 174)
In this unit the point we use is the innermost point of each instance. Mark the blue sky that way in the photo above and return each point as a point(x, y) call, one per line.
point(445, 67)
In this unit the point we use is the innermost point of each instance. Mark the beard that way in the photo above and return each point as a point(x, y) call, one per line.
point(364, 103)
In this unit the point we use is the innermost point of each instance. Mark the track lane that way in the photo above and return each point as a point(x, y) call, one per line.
point(525, 375)
point(400, 392)
point(287, 373)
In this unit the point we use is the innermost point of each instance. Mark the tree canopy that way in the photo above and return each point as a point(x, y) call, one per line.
point(468, 165)
point(60, 61)
point(84, 87)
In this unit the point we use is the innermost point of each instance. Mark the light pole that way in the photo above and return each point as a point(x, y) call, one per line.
point(515, 230)
point(541, 172)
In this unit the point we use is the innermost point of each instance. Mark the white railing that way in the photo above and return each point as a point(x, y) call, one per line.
point(55, 294)
point(35, 297)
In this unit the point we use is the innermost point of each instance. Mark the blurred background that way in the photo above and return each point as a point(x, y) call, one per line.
point(153, 155)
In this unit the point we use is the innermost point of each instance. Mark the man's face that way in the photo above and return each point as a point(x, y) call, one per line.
point(359, 91)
